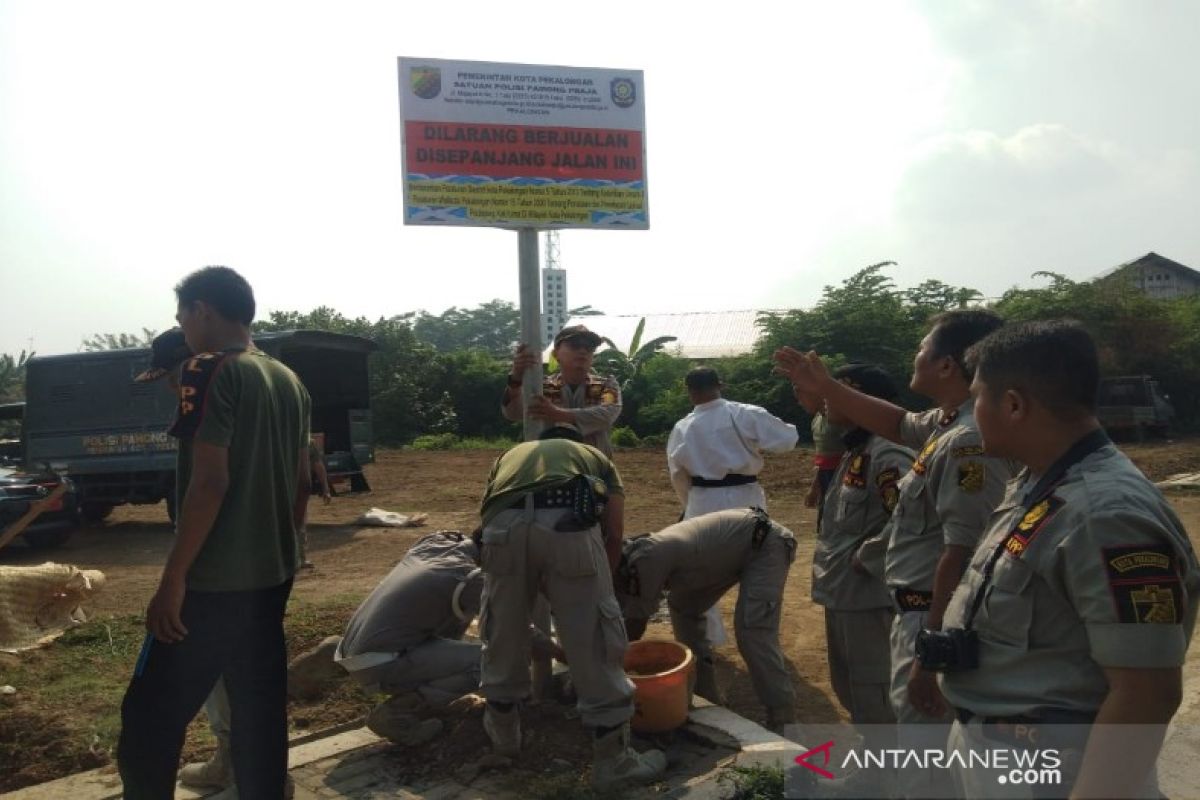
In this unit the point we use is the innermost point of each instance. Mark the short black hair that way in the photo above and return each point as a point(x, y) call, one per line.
point(1053, 361)
point(953, 333)
point(223, 289)
point(699, 378)
point(869, 379)
point(562, 432)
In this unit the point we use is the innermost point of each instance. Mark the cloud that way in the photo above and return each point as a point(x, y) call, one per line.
point(985, 210)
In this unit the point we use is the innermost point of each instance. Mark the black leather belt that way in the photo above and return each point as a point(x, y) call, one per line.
point(912, 599)
point(560, 497)
point(1049, 716)
point(732, 479)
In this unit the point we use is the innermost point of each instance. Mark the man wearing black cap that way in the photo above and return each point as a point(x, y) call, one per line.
point(168, 350)
point(858, 608)
point(574, 395)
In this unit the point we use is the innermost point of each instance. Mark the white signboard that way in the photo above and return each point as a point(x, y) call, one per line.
point(519, 145)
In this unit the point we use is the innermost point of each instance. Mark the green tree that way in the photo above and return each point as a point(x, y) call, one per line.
point(655, 397)
point(493, 327)
point(408, 397)
point(933, 297)
point(864, 319)
point(117, 341)
point(12, 376)
point(1134, 334)
point(623, 365)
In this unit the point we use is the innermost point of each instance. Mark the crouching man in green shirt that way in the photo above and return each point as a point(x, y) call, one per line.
point(242, 481)
point(553, 519)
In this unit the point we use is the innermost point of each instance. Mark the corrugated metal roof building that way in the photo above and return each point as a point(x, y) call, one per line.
point(699, 334)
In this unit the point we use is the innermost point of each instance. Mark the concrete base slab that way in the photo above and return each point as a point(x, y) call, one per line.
point(352, 763)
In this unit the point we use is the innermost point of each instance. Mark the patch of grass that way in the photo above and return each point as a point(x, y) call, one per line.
point(758, 782)
point(565, 785)
point(66, 715)
point(450, 441)
point(67, 711)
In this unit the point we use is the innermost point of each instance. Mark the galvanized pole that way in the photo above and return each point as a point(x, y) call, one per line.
point(531, 320)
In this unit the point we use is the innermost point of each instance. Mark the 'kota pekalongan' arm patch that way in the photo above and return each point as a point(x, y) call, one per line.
point(1144, 582)
point(971, 476)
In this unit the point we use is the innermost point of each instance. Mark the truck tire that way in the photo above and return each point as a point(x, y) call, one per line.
point(44, 540)
point(95, 512)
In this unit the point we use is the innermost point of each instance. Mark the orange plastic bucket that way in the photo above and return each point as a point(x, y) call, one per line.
point(661, 674)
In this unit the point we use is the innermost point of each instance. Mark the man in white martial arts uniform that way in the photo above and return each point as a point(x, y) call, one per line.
point(714, 455)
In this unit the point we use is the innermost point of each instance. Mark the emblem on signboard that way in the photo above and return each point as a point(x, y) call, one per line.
point(624, 92)
point(426, 82)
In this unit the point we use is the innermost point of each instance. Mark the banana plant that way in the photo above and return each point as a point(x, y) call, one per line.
point(624, 365)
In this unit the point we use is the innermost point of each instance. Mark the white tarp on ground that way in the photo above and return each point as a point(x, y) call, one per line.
point(38, 603)
point(1183, 481)
point(381, 518)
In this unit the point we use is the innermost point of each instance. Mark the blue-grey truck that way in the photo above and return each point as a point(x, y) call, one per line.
point(85, 417)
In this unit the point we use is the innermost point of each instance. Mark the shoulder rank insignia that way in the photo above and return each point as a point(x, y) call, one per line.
point(1144, 583)
point(856, 473)
point(970, 476)
point(1030, 525)
point(919, 465)
point(948, 419)
point(966, 452)
point(889, 492)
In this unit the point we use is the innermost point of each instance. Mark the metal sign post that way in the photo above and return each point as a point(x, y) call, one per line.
point(531, 321)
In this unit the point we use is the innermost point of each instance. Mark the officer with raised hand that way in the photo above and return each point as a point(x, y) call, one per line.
point(1079, 604)
point(944, 503)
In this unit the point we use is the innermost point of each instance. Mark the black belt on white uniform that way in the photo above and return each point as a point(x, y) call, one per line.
point(732, 479)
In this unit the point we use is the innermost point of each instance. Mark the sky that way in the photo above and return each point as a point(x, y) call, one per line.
point(788, 146)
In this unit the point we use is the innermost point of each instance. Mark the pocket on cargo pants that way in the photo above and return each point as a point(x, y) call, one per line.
point(612, 630)
point(498, 556)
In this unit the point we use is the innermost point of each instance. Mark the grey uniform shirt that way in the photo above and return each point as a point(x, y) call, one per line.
point(1100, 574)
point(702, 553)
point(595, 406)
point(945, 499)
point(415, 601)
point(861, 497)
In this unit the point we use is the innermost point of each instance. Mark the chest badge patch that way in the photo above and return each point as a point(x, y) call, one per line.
point(919, 465)
point(855, 477)
point(1018, 540)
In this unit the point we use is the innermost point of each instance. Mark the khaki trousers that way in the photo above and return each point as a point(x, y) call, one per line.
point(860, 663)
point(915, 731)
point(522, 554)
point(755, 619)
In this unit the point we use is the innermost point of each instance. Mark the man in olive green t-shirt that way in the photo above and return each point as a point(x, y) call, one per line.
point(243, 481)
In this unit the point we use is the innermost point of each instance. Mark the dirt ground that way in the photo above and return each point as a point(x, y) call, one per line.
point(131, 546)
